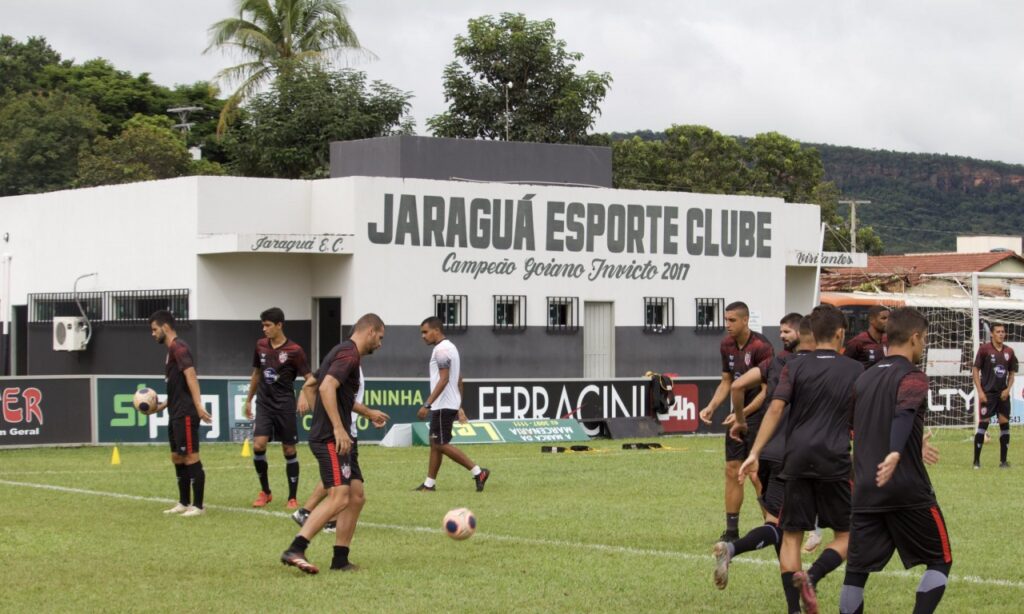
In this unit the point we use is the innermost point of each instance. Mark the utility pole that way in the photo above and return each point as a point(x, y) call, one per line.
point(853, 220)
point(508, 115)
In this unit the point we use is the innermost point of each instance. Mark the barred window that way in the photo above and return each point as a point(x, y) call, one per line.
point(659, 314)
point(45, 307)
point(710, 313)
point(453, 310)
point(563, 314)
point(111, 306)
point(509, 312)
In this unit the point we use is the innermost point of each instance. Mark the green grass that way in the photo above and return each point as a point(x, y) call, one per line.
point(607, 531)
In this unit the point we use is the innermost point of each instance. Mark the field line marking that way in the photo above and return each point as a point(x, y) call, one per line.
point(687, 556)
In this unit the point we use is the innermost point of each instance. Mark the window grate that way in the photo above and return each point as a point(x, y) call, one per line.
point(453, 309)
point(509, 312)
point(659, 314)
point(710, 313)
point(112, 306)
point(563, 314)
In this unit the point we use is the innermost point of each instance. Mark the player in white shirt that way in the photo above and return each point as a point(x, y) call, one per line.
point(444, 405)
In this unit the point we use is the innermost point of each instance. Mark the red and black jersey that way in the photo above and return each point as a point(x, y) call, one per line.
point(179, 397)
point(892, 386)
point(738, 360)
point(865, 349)
point(771, 371)
point(995, 366)
point(279, 367)
point(819, 391)
point(341, 363)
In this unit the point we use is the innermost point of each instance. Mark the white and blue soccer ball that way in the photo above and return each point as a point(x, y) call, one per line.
point(459, 523)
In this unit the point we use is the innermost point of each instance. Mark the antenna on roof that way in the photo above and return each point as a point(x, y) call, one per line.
point(182, 112)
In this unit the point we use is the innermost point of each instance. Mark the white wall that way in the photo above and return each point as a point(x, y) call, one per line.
point(978, 245)
point(244, 205)
point(240, 286)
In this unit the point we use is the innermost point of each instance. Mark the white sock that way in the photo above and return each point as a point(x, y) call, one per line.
point(475, 470)
point(429, 482)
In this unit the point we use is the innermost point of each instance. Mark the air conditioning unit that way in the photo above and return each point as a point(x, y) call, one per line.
point(69, 333)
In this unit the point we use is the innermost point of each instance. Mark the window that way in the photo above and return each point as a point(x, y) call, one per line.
point(563, 314)
point(45, 307)
point(659, 314)
point(114, 306)
point(453, 311)
point(509, 312)
point(710, 312)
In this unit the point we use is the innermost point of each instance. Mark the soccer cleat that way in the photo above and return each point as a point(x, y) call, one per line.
point(298, 559)
point(424, 487)
point(193, 511)
point(481, 478)
point(977, 465)
point(812, 542)
point(300, 517)
point(808, 596)
point(330, 527)
point(729, 536)
point(1004, 465)
point(177, 509)
point(263, 499)
point(721, 552)
point(292, 504)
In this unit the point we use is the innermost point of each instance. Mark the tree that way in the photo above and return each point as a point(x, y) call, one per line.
point(700, 159)
point(21, 64)
point(516, 64)
point(41, 134)
point(287, 131)
point(272, 36)
point(780, 166)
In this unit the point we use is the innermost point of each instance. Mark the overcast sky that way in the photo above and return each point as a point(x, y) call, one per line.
point(941, 76)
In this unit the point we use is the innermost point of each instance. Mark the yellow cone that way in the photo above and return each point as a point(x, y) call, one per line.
point(115, 458)
point(246, 450)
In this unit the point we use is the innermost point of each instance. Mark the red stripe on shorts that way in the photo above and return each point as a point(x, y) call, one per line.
point(947, 556)
point(188, 435)
point(335, 469)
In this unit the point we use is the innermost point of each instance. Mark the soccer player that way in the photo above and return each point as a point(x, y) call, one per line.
point(894, 506)
point(276, 363)
point(330, 439)
point(869, 346)
point(444, 404)
point(995, 366)
point(817, 393)
point(741, 349)
point(186, 410)
point(795, 333)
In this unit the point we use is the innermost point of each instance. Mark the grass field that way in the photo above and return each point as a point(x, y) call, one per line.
point(606, 531)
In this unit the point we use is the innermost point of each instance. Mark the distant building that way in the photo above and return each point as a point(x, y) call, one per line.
point(910, 273)
point(976, 245)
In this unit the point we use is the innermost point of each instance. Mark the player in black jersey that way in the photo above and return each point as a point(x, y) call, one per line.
point(330, 439)
point(796, 336)
point(894, 506)
point(186, 409)
point(817, 393)
point(740, 350)
point(276, 363)
point(995, 367)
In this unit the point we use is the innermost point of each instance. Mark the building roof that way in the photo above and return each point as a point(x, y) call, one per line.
point(899, 272)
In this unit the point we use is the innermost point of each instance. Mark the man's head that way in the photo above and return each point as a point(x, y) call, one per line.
point(161, 325)
point(789, 331)
point(806, 334)
point(878, 315)
point(998, 333)
point(432, 330)
point(368, 333)
point(737, 319)
point(907, 329)
point(829, 326)
point(273, 322)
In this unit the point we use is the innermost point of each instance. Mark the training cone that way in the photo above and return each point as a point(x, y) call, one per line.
point(115, 458)
point(246, 450)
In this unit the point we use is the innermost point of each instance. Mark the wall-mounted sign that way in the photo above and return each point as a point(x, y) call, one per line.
point(276, 243)
point(799, 257)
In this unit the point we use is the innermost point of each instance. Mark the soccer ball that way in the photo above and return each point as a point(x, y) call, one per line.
point(145, 399)
point(459, 523)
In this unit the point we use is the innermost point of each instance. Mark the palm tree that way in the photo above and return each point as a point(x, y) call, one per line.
point(271, 34)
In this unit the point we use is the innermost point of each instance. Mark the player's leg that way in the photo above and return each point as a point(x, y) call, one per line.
point(333, 469)
point(319, 492)
point(832, 500)
point(870, 548)
point(789, 564)
point(434, 461)
point(447, 423)
point(1004, 433)
point(262, 431)
point(763, 536)
point(979, 436)
point(797, 517)
point(348, 518)
point(851, 596)
point(735, 453)
point(288, 434)
point(194, 467)
point(921, 539)
point(180, 474)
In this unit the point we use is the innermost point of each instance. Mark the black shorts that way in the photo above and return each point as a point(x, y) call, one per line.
point(994, 407)
point(278, 427)
point(336, 469)
point(773, 487)
point(441, 422)
point(807, 499)
point(919, 535)
point(183, 433)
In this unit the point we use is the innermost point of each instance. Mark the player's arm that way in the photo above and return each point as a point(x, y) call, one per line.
point(329, 398)
point(738, 390)
point(1012, 368)
point(375, 416)
point(443, 376)
point(768, 425)
point(197, 399)
point(910, 395)
point(307, 394)
point(721, 394)
point(254, 381)
point(976, 376)
point(462, 413)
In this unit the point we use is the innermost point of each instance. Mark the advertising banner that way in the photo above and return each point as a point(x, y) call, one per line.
point(44, 411)
point(506, 431)
point(118, 421)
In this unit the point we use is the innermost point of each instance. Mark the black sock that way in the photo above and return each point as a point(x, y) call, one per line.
point(183, 484)
point(291, 468)
point(1004, 441)
point(761, 537)
point(931, 588)
point(340, 557)
point(299, 544)
point(198, 478)
point(732, 523)
point(979, 441)
point(260, 461)
point(851, 597)
point(826, 563)
point(792, 593)
point(304, 511)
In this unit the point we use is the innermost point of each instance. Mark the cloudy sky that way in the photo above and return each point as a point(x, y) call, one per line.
point(942, 76)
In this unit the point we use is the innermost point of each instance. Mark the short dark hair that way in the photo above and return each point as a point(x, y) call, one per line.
point(996, 325)
point(791, 320)
point(434, 323)
point(805, 326)
point(825, 321)
point(369, 320)
point(162, 317)
point(274, 314)
point(738, 306)
point(875, 310)
point(903, 323)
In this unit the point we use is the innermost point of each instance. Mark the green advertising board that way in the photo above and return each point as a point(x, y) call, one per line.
point(506, 431)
